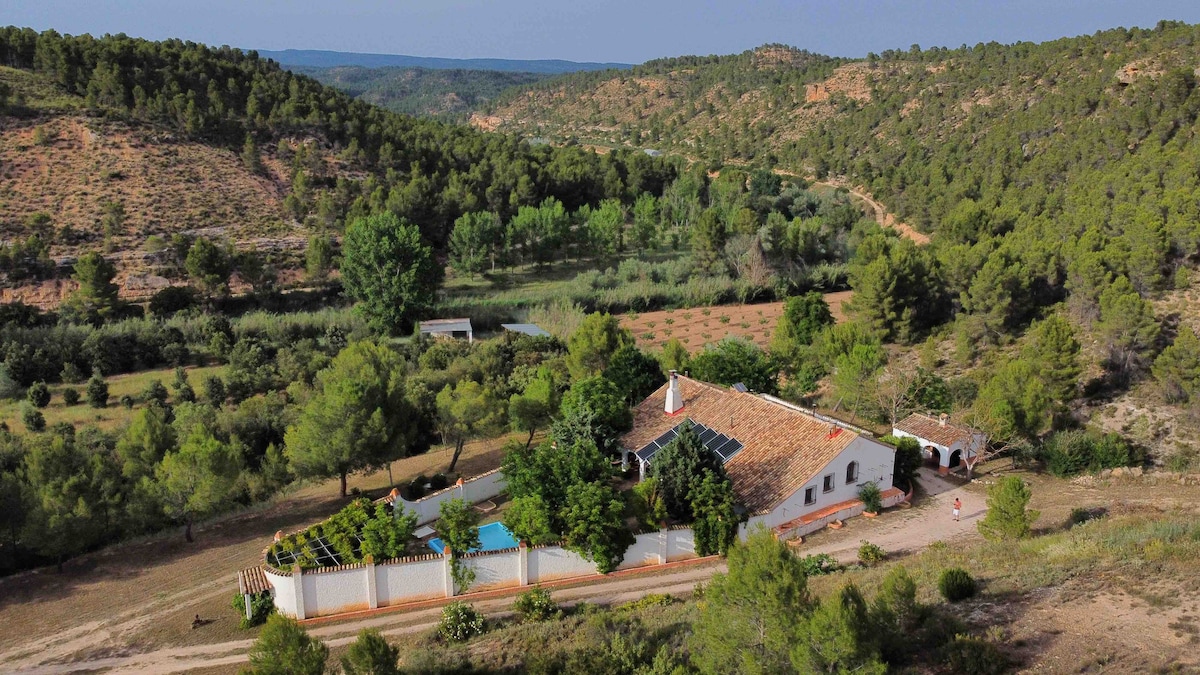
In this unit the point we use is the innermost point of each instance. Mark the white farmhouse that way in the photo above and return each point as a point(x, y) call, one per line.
point(943, 442)
point(792, 470)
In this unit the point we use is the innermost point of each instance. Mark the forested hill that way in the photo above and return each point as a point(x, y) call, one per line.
point(447, 94)
point(1061, 165)
point(124, 123)
point(316, 58)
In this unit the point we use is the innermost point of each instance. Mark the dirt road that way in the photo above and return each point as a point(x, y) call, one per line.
point(108, 645)
point(880, 213)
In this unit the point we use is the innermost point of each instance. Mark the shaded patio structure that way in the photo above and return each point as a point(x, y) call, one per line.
point(945, 444)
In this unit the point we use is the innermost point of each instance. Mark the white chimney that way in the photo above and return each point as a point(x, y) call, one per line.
point(674, 395)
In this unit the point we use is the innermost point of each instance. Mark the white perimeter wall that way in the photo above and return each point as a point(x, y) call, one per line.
point(495, 569)
point(411, 581)
point(547, 563)
point(876, 462)
point(356, 587)
point(477, 489)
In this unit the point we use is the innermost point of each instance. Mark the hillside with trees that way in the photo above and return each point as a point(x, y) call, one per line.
point(101, 136)
point(1056, 181)
point(445, 94)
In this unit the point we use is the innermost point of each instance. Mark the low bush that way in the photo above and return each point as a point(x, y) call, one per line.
point(871, 498)
point(1071, 452)
point(973, 656)
point(33, 418)
point(38, 395)
point(651, 600)
point(870, 554)
point(460, 622)
point(261, 607)
point(536, 605)
point(956, 584)
point(70, 396)
point(821, 563)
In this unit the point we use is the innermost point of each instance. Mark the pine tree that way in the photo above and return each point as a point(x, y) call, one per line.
point(1008, 516)
point(1053, 347)
point(1177, 369)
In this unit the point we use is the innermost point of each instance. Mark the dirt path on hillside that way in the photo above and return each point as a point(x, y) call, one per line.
point(878, 211)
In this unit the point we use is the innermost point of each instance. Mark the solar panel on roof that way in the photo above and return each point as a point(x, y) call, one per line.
point(724, 446)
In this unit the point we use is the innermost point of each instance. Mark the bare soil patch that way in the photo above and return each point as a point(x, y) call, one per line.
point(700, 326)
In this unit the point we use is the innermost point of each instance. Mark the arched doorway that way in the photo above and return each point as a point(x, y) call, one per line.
point(955, 459)
point(935, 455)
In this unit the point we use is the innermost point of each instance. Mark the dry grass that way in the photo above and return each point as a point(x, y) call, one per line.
point(115, 415)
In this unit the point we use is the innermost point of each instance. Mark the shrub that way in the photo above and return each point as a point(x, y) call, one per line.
point(70, 396)
point(1008, 516)
point(32, 418)
point(127, 401)
point(647, 601)
point(536, 605)
point(261, 607)
point(38, 395)
point(1070, 452)
point(956, 584)
point(460, 622)
point(870, 554)
point(821, 563)
point(871, 499)
point(973, 656)
point(155, 391)
point(97, 391)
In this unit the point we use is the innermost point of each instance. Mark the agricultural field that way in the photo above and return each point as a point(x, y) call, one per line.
point(700, 326)
point(132, 384)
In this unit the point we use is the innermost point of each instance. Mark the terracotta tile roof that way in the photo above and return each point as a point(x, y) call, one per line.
point(931, 429)
point(253, 580)
point(784, 448)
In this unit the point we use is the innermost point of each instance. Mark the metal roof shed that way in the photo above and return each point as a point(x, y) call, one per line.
point(525, 328)
point(449, 328)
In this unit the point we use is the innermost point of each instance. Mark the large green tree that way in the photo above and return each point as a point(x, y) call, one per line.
point(593, 344)
point(209, 266)
point(197, 479)
point(803, 318)
point(473, 242)
point(599, 400)
point(1177, 368)
point(389, 271)
point(680, 467)
point(357, 418)
point(734, 360)
point(465, 411)
point(752, 615)
point(594, 524)
point(96, 297)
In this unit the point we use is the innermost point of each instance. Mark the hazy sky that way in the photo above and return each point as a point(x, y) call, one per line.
point(592, 30)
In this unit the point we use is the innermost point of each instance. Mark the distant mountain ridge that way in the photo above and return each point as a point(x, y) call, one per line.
point(319, 58)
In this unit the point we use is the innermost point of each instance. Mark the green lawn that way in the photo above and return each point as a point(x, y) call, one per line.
point(115, 414)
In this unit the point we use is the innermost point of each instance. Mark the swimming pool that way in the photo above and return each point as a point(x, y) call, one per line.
point(492, 537)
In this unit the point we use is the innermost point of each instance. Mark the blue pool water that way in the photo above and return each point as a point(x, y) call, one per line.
point(492, 537)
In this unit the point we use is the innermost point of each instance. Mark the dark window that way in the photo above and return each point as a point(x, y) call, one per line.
point(829, 483)
point(810, 496)
point(852, 473)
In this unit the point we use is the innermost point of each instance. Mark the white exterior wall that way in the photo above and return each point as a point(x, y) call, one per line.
point(498, 569)
point(477, 489)
point(967, 450)
point(681, 544)
point(336, 591)
point(410, 581)
point(284, 595)
point(645, 550)
point(876, 462)
point(547, 563)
